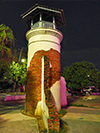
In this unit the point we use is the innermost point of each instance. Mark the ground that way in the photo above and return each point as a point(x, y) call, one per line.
point(84, 118)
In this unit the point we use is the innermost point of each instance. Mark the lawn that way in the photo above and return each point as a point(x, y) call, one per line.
point(92, 101)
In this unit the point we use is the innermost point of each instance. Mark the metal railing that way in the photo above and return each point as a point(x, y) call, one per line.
point(43, 24)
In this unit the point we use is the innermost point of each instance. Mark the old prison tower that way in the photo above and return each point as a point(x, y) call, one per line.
point(43, 68)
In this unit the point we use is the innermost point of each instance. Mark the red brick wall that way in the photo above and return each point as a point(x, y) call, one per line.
point(33, 88)
point(53, 121)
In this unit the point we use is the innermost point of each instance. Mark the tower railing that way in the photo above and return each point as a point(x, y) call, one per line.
point(43, 24)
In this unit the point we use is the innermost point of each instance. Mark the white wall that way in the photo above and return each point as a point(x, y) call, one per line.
point(42, 39)
point(55, 90)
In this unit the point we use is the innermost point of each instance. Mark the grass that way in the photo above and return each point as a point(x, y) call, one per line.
point(62, 112)
point(81, 105)
point(85, 101)
point(78, 105)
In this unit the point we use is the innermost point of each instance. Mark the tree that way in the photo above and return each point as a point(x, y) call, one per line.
point(3, 68)
point(80, 75)
point(7, 40)
point(16, 74)
point(22, 54)
point(6, 36)
point(98, 80)
point(7, 51)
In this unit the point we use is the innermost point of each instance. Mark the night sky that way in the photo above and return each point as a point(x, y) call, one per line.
point(81, 34)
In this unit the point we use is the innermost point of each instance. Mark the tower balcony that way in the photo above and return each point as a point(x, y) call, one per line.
point(43, 24)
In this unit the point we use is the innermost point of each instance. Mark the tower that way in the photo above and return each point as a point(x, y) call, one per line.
point(43, 69)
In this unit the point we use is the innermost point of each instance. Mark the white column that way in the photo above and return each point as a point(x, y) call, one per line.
point(42, 83)
point(40, 21)
point(45, 111)
point(31, 23)
point(54, 26)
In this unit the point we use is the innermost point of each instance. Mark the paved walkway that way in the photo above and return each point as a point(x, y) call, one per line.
point(83, 120)
point(12, 121)
point(79, 119)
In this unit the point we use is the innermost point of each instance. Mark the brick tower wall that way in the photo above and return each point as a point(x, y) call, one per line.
point(54, 120)
point(33, 87)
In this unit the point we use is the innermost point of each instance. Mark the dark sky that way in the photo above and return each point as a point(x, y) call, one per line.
point(81, 33)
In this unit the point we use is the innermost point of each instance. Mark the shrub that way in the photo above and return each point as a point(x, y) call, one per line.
point(63, 126)
point(53, 131)
point(62, 112)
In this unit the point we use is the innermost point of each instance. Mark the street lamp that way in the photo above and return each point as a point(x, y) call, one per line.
point(22, 60)
point(88, 75)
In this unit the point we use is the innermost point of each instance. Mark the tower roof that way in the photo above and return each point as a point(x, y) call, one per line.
point(33, 13)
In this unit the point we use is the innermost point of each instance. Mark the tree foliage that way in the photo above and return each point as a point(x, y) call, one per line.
point(16, 74)
point(98, 80)
point(22, 53)
point(6, 36)
point(80, 75)
point(9, 70)
point(7, 51)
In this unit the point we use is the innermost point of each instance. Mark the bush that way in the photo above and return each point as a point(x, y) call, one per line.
point(62, 112)
point(9, 90)
point(63, 126)
point(53, 131)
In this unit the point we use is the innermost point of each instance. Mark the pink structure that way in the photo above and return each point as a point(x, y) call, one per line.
point(16, 97)
point(63, 92)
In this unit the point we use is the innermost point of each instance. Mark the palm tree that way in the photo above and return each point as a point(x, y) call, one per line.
point(6, 44)
point(7, 51)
